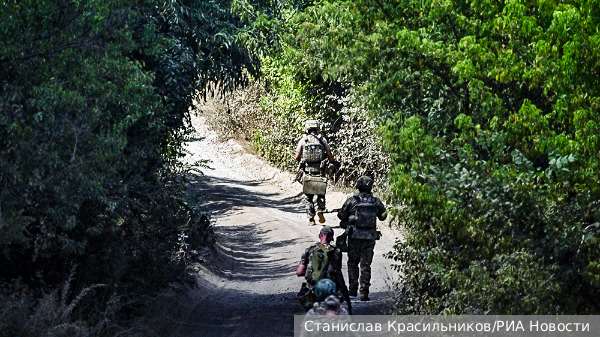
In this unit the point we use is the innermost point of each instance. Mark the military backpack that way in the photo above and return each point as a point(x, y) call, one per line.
point(319, 261)
point(365, 218)
point(314, 150)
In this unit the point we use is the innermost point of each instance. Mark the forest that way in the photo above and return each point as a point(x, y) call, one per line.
point(479, 121)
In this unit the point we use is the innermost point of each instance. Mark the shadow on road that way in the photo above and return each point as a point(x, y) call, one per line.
point(231, 194)
point(243, 254)
point(264, 314)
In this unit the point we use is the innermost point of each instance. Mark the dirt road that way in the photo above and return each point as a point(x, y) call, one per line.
point(260, 224)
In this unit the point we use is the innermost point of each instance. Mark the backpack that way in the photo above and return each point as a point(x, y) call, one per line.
point(314, 150)
point(365, 213)
point(364, 219)
point(319, 261)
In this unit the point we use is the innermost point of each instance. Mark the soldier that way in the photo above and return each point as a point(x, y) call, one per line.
point(359, 216)
point(320, 261)
point(311, 152)
point(330, 306)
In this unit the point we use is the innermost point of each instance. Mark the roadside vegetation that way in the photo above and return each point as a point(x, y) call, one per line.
point(94, 107)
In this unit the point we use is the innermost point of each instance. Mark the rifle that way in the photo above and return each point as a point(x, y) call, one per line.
point(332, 211)
point(344, 290)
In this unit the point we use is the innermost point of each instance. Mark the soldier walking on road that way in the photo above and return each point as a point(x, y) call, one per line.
point(359, 216)
point(312, 152)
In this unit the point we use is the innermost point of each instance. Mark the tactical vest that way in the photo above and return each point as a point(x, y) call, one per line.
point(314, 150)
point(365, 218)
point(365, 212)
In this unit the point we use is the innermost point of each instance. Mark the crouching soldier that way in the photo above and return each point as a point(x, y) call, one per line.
point(321, 260)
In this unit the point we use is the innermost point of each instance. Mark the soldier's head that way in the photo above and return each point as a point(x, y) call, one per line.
point(311, 125)
point(324, 288)
point(332, 305)
point(364, 184)
point(326, 234)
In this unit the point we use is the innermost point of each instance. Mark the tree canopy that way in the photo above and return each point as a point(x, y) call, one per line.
point(94, 108)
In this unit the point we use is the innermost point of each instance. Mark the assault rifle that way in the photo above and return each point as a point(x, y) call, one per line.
point(344, 290)
point(332, 211)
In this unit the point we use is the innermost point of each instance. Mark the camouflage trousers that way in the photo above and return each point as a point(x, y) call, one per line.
point(360, 251)
point(310, 205)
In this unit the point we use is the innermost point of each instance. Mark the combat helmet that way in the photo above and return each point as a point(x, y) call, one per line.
point(311, 124)
point(323, 289)
point(364, 184)
point(332, 302)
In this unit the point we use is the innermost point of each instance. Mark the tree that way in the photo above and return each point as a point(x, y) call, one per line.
point(95, 98)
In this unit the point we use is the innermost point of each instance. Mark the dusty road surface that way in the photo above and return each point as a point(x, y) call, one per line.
point(249, 289)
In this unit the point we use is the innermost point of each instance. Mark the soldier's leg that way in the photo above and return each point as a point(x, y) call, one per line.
point(321, 207)
point(366, 258)
point(353, 260)
point(310, 208)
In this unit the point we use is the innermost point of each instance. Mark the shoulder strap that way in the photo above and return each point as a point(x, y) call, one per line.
point(319, 139)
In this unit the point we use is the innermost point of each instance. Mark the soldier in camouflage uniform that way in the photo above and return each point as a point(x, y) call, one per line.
point(330, 306)
point(334, 254)
point(359, 215)
point(312, 149)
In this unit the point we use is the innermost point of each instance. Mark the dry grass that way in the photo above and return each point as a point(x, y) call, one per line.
point(52, 314)
point(236, 115)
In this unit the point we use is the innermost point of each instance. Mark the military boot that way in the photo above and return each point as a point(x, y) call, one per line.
point(311, 222)
point(364, 296)
point(321, 217)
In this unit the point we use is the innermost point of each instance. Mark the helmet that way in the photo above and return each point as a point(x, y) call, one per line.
point(364, 183)
point(311, 124)
point(332, 302)
point(324, 288)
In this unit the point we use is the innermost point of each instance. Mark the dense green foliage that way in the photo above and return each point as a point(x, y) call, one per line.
point(94, 101)
point(291, 94)
point(489, 111)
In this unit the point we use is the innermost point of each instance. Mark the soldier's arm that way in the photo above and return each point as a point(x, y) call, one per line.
point(301, 270)
point(299, 150)
point(344, 212)
point(327, 148)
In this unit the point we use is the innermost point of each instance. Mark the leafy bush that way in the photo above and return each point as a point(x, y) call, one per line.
point(94, 110)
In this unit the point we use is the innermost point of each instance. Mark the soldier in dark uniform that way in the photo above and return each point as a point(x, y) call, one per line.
point(359, 216)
